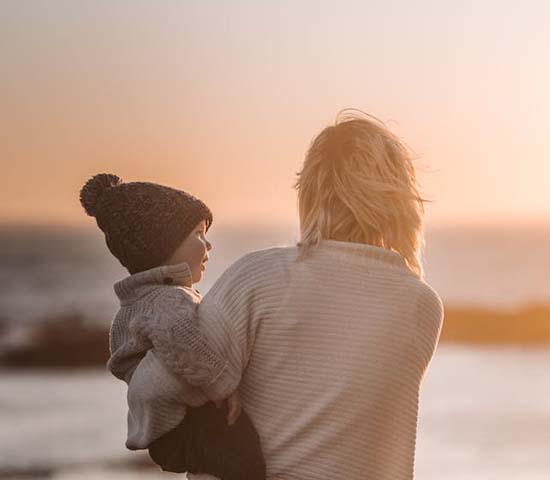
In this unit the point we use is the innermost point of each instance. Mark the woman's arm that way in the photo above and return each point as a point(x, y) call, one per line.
point(229, 316)
point(231, 313)
point(178, 342)
point(429, 323)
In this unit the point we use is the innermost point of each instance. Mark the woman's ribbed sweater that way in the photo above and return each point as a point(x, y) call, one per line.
point(331, 352)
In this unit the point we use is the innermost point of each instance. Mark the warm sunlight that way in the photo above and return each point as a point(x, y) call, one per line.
point(206, 272)
point(187, 94)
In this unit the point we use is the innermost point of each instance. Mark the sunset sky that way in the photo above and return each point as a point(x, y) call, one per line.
point(222, 99)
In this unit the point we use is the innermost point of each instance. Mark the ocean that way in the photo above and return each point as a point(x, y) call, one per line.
point(47, 271)
point(484, 412)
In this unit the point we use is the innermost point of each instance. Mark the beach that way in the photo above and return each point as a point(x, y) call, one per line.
point(484, 412)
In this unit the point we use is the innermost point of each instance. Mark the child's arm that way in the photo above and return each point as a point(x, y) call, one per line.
point(179, 343)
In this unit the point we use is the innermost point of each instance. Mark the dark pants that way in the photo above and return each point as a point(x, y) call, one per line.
point(204, 443)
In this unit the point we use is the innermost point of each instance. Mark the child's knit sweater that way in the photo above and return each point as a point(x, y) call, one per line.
point(156, 306)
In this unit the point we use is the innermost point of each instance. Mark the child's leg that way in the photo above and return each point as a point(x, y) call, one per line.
point(171, 451)
point(205, 443)
point(228, 452)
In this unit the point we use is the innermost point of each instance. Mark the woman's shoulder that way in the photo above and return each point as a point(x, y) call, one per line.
point(428, 302)
point(257, 268)
point(264, 258)
point(269, 254)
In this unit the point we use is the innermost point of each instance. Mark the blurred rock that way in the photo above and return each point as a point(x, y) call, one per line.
point(65, 341)
point(31, 473)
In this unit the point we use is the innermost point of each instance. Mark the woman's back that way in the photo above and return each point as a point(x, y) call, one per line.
point(335, 348)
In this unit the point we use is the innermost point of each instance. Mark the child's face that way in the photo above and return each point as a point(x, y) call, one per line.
point(193, 250)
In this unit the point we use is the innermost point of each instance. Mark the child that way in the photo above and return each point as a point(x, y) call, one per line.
point(158, 234)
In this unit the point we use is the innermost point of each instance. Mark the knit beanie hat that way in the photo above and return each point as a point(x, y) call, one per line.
point(144, 223)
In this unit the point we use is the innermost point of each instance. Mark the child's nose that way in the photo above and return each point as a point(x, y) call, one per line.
point(208, 245)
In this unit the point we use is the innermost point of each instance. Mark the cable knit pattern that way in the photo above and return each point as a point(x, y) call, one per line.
point(329, 355)
point(172, 332)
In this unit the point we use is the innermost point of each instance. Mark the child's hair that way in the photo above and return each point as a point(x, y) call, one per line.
point(358, 184)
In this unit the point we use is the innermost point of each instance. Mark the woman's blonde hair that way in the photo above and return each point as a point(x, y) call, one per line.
point(358, 184)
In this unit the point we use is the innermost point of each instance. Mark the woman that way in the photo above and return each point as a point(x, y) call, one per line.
point(329, 340)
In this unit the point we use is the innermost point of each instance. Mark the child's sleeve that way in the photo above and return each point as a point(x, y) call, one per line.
point(178, 341)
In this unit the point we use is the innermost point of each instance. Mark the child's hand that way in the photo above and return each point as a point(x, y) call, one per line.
point(234, 407)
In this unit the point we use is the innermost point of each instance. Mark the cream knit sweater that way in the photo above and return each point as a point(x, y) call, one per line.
point(328, 354)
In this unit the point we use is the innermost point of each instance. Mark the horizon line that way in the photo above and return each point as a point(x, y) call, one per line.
point(474, 223)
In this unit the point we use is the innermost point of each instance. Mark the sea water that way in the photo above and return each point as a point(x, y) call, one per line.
point(48, 271)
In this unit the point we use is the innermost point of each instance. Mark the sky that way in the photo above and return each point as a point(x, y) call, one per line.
point(222, 99)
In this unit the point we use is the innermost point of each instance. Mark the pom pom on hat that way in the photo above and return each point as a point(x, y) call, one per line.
point(93, 189)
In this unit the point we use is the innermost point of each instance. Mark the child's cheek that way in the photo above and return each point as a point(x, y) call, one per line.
point(198, 253)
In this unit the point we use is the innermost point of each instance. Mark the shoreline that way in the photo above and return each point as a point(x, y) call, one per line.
point(75, 340)
point(524, 326)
